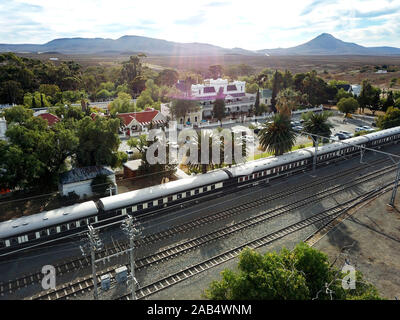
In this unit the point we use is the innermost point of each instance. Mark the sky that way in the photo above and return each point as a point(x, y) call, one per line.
point(248, 24)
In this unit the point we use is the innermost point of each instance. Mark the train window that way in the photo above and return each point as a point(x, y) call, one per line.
point(140, 207)
point(92, 220)
point(196, 191)
point(53, 230)
point(213, 186)
point(82, 223)
point(64, 228)
point(150, 205)
point(129, 210)
point(169, 198)
point(43, 233)
point(160, 202)
point(31, 236)
point(187, 193)
point(72, 225)
point(14, 241)
point(179, 195)
point(2, 244)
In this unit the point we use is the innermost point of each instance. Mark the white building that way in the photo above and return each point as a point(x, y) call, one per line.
point(3, 129)
point(79, 180)
point(211, 88)
point(190, 118)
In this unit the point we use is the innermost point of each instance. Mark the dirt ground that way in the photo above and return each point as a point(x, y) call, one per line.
point(370, 239)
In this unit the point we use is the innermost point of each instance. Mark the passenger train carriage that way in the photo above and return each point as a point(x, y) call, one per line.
point(50, 226)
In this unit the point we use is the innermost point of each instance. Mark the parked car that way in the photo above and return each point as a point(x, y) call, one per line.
point(341, 136)
point(297, 128)
point(334, 138)
point(368, 128)
point(346, 133)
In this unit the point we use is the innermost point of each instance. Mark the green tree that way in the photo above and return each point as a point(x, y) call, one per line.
point(40, 151)
point(390, 119)
point(389, 101)
point(343, 94)
point(251, 88)
point(11, 92)
point(277, 136)
point(366, 95)
point(167, 77)
point(219, 109)
point(215, 71)
point(122, 104)
point(300, 274)
point(138, 143)
point(99, 142)
point(347, 105)
point(317, 123)
point(287, 101)
point(181, 107)
point(145, 100)
point(277, 84)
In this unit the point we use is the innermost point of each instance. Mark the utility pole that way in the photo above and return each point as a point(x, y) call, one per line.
point(315, 140)
point(128, 227)
point(396, 184)
point(95, 244)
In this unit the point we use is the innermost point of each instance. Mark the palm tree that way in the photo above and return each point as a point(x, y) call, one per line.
point(277, 136)
point(317, 123)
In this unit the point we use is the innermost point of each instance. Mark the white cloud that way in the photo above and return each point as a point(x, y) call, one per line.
point(249, 24)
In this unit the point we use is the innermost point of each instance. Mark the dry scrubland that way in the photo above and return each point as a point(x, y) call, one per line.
point(337, 67)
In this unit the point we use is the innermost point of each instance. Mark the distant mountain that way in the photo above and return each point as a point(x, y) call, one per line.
point(124, 44)
point(326, 44)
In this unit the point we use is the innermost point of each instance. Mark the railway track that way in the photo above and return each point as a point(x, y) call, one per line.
point(83, 262)
point(322, 217)
point(195, 243)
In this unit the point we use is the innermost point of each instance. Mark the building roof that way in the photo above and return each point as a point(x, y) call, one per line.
point(50, 118)
point(205, 98)
point(83, 174)
point(346, 87)
point(144, 117)
point(133, 164)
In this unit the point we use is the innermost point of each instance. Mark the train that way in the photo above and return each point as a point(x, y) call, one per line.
point(50, 226)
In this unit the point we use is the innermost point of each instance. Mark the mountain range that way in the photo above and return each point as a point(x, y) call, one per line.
point(324, 44)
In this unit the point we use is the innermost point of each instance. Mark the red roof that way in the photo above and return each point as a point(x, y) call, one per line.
point(142, 117)
point(50, 118)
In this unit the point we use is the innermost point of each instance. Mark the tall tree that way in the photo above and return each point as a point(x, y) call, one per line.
point(287, 101)
point(277, 83)
point(219, 109)
point(347, 105)
point(181, 107)
point(99, 142)
point(215, 71)
point(317, 123)
point(277, 136)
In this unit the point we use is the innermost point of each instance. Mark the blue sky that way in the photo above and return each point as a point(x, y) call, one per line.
point(250, 24)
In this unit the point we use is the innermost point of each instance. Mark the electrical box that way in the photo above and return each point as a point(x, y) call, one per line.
point(121, 274)
point(105, 282)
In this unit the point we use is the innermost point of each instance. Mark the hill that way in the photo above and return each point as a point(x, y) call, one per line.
point(326, 44)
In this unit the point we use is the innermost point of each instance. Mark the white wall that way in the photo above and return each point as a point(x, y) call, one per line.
point(3, 129)
point(81, 188)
